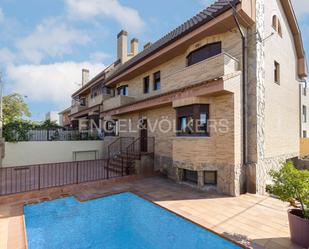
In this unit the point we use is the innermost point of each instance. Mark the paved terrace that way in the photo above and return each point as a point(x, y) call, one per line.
point(255, 221)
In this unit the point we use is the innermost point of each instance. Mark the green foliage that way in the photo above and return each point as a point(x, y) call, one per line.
point(14, 108)
point(49, 125)
point(292, 185)
point(18, 130)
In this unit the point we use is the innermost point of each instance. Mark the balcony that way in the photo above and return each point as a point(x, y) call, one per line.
point(117, 101)
point(78, 108)
point(212, 68)
point(98, 100)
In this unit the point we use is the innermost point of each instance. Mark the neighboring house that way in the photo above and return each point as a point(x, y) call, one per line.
point(87, 100)
point(64, 119)
point(228, 79)
point(52, 117)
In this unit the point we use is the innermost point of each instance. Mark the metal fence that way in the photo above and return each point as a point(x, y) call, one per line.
point(54, 135)
point(36, 177)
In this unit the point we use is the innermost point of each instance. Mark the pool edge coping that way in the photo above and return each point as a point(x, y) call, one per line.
point(187, 219)
point(144, 198)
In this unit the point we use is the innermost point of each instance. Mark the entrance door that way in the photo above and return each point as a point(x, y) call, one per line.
point(144, 136)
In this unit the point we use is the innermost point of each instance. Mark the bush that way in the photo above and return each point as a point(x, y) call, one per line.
point(292, 185)
point(18, 130)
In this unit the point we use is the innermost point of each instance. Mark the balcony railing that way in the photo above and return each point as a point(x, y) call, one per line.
point(98, 99)
point(212, 68)
point(78, 108)
point(117, 101)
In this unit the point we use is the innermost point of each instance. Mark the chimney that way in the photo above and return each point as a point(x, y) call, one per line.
point(122, 46)
point(134, 46)
point(147, 45)
point(85, 76)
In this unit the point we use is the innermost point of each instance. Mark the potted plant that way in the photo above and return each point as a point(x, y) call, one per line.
point(292, 185)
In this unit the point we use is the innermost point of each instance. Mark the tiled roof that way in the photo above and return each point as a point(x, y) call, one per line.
point(196, 21)
point(206, 15)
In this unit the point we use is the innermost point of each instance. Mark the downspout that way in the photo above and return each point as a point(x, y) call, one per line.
point(244, 88)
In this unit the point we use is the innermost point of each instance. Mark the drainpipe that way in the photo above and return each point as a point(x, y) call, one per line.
point(244, 87)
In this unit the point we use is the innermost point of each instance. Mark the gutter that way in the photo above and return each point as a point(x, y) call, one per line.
point(244, 88)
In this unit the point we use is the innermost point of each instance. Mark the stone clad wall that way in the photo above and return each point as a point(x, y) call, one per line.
point(273, 124)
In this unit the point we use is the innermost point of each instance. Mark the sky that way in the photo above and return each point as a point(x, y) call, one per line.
point(44, 44)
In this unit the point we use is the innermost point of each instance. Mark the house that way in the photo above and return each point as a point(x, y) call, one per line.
point(64, 119)
point(220, 95)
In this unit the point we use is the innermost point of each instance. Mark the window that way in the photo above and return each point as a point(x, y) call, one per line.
point(82, 102)
point(204, 53)
point(210, 177)
point(123, 90)
point(304, 88)
point(192, 120)
point(190, 176)
point(304, 114)
point(146, 84)
point(277, 72)
point(274, 22)
point(106, 90)
point(304, 134)
point(157, 81)
point(95, 91)
point(276, 25)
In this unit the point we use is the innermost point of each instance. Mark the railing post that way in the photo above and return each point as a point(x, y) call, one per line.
point(39, 177)
point(120, 141)
point(107, 169)
point(77, 169)
point(122, 167)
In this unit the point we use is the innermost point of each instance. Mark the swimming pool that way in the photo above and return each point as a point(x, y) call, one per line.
point(122, 221)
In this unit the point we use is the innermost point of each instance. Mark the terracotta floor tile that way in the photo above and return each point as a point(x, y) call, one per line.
point(258, 221)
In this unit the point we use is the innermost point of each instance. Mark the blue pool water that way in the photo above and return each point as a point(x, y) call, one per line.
point(122, 221)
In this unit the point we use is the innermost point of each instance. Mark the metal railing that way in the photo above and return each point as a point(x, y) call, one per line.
point(53, 135)
point(119, 146)
point(136, 148)
point(36, 177)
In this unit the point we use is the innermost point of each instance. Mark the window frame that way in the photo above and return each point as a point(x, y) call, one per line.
point(157, 81)
point(192, 114)
point(146, 85)
point(276, 25)
point(304, 113)
point(209, 55)
point(215, 182)
point(277, 72)
point(123, 90)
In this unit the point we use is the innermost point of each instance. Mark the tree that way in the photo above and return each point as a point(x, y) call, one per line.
point(14, 108)
point(292, 185)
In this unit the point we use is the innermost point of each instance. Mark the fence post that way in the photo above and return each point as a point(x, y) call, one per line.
point(122, 167)
point(107, 168)
point(77, 169)
point(39, 177)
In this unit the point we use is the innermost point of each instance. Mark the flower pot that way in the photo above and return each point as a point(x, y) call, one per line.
point(299, 228)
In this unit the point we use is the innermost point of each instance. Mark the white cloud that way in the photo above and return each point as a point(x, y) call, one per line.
point(127, 17)
point(301, 7)
point(99, 56)
point(49, 83)
point(51, 38)
point(6, 56)
point(1, 16)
